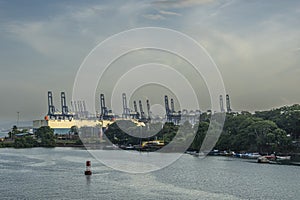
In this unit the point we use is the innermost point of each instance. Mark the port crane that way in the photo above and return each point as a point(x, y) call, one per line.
point(105, 113)
point(51, 107)
point(228, 103)
point(143, 116)
point(126, 110)
point(222, 104)
point(171, 114)
point(53, 113)
point(64, 108)
point(148, 110)
point(135, 114)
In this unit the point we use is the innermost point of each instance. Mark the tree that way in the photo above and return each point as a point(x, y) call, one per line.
point(14, 131)
point(200, 135)
point(168, 132)
point(74, 130)
point(247, 132)
point(46, 135)
point(286, 117)
point(25, 142)
point(123, 132)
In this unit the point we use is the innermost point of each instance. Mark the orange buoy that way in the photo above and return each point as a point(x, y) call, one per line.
point(88, 168)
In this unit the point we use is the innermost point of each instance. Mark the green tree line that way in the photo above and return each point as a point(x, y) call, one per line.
point(44, 137)
point(263, 131)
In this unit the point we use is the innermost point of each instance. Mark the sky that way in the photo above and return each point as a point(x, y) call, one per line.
point(255, 44)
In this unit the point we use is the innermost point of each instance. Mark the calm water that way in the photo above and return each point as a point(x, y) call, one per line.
point(42, 173)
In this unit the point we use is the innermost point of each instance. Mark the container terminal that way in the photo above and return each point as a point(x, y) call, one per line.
point(62, 120)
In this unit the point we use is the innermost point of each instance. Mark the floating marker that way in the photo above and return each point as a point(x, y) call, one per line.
point(88, 168)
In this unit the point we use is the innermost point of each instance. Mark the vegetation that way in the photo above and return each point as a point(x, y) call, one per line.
point(46, 136)
point(6, 144)
point(249, 133)
point(286, 118)
point(25, 142)
point(200, 135)
point(15, 131)
point(266, 131)
point(126, 132)
point(74, 130)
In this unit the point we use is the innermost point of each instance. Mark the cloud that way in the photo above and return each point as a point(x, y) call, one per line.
point(35, 35)
point(257, 52)
point(222, 6)
point(257, 55)
point(161, 15)
point(75, 27)
point(180, 3)
point(86, 12)
point(258, 69)
point(154, 16)
point(297, 49)
point(164, 12)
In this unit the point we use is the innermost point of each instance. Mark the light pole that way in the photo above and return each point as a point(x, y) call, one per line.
point(18, 118)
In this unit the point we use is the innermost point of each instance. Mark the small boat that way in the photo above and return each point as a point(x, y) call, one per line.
point(247, 155)
point(272, 159)
point(253, 155)
point(263, 159)
point(283, 160)
point(214, 152)
point(283, 157)
point(193, 153)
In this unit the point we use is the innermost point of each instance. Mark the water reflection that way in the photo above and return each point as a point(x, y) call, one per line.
point(88, 179)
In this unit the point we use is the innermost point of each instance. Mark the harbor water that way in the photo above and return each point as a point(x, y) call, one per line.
point(58, 173)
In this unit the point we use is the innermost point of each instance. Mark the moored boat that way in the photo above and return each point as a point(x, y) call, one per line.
point(253, 155)
point(272, 159)
point(263, 159)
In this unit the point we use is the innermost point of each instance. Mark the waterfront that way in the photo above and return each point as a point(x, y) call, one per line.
point(57, 173)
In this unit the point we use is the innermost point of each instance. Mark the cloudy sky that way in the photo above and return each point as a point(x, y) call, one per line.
point(255, 44)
